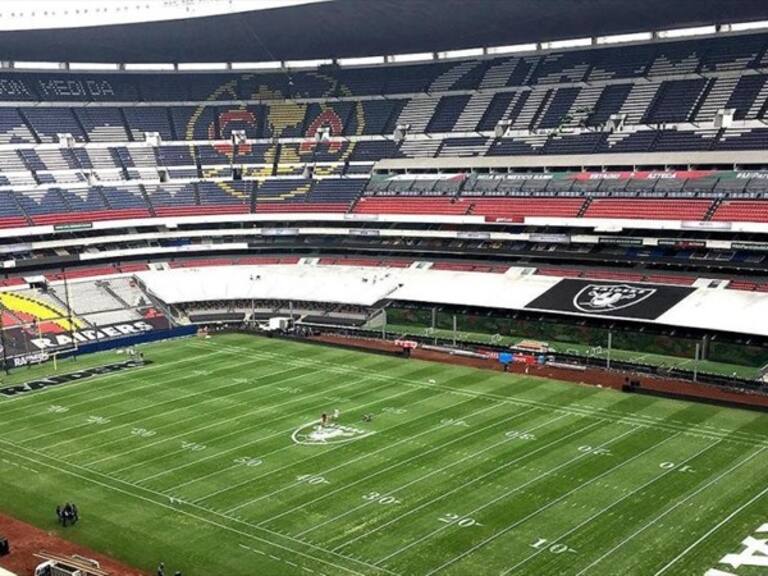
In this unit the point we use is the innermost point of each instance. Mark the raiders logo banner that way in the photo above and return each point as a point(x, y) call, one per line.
point(616, 299)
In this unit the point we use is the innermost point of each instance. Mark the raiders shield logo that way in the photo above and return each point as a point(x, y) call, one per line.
point(605, 298)
point(317, 433)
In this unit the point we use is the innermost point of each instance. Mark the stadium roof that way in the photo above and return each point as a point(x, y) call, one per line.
point(356, 28)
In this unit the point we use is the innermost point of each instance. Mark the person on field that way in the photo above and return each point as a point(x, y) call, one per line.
point(75, 514)
point(161, 569)
point(66, 514)
point(59, 515)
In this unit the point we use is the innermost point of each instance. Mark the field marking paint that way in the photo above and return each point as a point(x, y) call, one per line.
point(204, 515)
point(290, 446)
point(362, 393)
point(219, 422)
point(719, 525)
point(152, 407)
point(599, 513)
point(464, 485)
point(425, 476)
point(35, 398)
point(504, 495)
point(142, 420)
point(356, 459)
point(659, 423)
point(200, 517)
point(97, 400)
point(401, 462)
point(671, 509)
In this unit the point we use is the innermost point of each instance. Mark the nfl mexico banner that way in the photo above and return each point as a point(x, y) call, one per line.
point(610, 299)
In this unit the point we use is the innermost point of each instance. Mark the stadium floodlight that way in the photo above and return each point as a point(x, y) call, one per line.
point(29, 65)
point(95, 66)
point(273, 65)
point(743, 26)
point(361, 61)
point(465, 53)
point(621, 38)
point(512, 49)
point(686, 32)
point(308, 63)
point(570, 43)
point(415, 57)
point(150, 66)
point(202, 66)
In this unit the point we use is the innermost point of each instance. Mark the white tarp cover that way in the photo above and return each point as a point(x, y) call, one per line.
point(703, 308)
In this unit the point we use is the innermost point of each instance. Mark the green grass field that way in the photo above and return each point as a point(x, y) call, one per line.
point(661, 360)
point(208, 460)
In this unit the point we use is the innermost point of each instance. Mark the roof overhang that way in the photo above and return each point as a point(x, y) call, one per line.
point(356, 28)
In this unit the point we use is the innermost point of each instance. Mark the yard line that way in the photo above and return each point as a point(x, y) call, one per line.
point(203, 516)
point(143, 419)
point(250, 480)
point(324, 391)
point(613, 504)
point(463, 486)
point(69, 387)
point(722, 523)
point(424, 477)
point(598, 412)
point(502, 496)
point(143, 408)
point(567, 494)
point(217, 423)
point(284, 431)
point(669, 510)
point(396, 465)
point(357, 458)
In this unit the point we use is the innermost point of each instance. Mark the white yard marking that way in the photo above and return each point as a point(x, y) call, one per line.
point(503, 496)
point(204, 515)
point(717, 527)
point(654, 422)
point(356, 459)
point(671, 509)
point(76, 384)
point(466, 484)
point(424, 477)
point(213, 424)
point(283, 448)
point(599, 513)
point(143, 409)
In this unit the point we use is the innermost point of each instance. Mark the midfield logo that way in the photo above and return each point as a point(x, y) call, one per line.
point(603, 298)
point(316, 433)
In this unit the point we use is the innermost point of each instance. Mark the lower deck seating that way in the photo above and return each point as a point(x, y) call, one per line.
point(742, 211)
point(517, 209)
point(648, 209)
point(400, 205)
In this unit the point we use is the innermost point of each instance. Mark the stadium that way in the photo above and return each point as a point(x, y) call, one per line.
point(383, 288)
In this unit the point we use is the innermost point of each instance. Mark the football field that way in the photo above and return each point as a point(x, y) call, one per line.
point(212, 459)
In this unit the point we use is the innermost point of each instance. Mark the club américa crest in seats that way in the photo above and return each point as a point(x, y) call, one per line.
point(282, 118)
point(606, 298)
